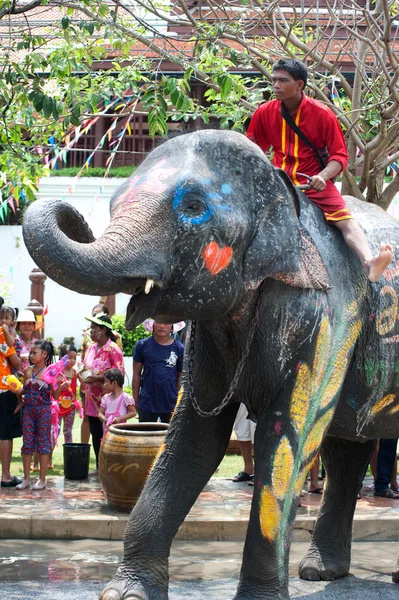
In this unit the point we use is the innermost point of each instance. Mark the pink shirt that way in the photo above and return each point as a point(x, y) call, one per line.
point(98, 360)
point(23, 346)
point(118, 407)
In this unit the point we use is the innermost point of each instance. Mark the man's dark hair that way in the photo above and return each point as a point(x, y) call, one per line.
point(294, 67)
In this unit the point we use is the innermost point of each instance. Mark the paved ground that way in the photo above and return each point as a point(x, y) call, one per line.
point(78, 510)
point(48, 570)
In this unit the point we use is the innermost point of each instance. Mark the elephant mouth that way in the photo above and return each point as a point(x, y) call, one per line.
point(142, 303)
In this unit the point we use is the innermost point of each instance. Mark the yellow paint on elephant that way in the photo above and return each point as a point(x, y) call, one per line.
point(269, 514)
point(321, 355)
point(160, 451)
point(301, 480)
point(316, 435)
point(386, 318)
point(394, 410)
point(381, 404)
point(300, 398)
point(340, 365)
point(283, 465)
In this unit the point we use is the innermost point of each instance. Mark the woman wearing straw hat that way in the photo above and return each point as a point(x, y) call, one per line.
point(103, 354)
point(26, 325)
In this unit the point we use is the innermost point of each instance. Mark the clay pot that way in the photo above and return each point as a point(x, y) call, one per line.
point(126, 457)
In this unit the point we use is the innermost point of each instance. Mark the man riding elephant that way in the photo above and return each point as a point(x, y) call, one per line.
point(284, 319)
point(305, 136)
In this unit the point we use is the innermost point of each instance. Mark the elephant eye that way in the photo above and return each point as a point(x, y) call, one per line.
point(193, 206)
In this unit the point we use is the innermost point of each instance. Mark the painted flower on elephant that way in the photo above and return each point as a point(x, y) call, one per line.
point(311, 411)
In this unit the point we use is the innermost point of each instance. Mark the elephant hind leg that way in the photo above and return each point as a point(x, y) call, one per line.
point(329, 555)
point(395, 574)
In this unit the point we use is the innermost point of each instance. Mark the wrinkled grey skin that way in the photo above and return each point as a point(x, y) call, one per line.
point(217, 187)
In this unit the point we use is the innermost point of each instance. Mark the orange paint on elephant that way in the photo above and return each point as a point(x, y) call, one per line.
point(216, 258)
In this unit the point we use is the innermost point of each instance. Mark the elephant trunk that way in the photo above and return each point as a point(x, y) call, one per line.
point(62, 244)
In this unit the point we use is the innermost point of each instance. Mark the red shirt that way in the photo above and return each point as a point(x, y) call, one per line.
point(318, 123)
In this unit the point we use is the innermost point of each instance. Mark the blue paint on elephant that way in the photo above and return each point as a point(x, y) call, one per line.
point(226, 188)
point(182, 190)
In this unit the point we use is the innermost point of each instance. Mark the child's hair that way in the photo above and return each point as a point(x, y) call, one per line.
point(105, 309)
point(47, 347)
point(115, 375)
point(66, 349)
point(9, 310)
point(1, 301)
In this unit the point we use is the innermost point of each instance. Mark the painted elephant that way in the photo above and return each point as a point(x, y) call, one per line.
point(283, 318)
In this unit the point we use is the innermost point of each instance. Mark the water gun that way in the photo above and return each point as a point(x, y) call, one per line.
point(55, 421)
point(78, 407)
point(51, 373)
point(13, 383)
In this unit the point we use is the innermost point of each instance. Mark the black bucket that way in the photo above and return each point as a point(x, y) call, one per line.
point(76, 460)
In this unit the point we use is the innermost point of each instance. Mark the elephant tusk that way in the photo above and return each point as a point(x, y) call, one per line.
point(149, 284)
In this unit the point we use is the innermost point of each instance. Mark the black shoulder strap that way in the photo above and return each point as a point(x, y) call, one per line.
point(291, 123)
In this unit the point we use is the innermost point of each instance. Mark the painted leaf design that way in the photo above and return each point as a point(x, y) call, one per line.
point(321, 354)
point(283, 465)
point(385, 401)
point(340, 366)
point(269, 514)
point(300, 398)
point(315, 436)
point(394, 410)
point(301, 480)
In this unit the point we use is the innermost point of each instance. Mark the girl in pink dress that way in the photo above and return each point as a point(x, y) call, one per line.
point(116, 405)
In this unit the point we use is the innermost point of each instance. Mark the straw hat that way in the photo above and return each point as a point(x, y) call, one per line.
point(99, 321)
point(26, 316)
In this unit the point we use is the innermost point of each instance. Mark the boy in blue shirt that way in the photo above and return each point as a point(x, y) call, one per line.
point(157, 371)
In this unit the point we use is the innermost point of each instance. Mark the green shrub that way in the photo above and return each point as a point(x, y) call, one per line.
point(129, 338)
point(94, 172)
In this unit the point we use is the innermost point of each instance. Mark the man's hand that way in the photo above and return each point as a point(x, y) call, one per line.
point(317, 183)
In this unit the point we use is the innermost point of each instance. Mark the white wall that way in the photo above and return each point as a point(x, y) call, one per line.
point(66, 309)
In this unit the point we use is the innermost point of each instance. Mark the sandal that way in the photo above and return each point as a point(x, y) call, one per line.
point(243, 476)
point(388, 493)
point(13, 483)
point(318, 491)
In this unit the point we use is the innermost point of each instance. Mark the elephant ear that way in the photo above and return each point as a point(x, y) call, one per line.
point(281, 249)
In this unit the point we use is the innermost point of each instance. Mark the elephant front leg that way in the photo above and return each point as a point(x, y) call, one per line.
point(193, 449)
point(330, 552)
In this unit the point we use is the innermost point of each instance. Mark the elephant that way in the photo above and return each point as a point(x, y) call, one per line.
point(283, 319)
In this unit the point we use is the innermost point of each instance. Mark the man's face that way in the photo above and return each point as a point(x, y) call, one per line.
point(285, 87)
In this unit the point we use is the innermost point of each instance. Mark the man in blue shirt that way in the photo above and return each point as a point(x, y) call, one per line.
point(157, 370)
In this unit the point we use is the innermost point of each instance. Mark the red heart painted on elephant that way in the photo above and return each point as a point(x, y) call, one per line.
point(216, 258)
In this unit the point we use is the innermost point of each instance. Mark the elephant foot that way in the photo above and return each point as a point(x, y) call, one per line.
point(253, 592)
point(395, 576)
point(315, 568)
point(126, 585)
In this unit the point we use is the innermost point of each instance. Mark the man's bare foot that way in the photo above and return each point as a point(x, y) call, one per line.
point(377, 265)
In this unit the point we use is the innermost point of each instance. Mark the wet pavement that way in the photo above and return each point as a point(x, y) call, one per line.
point(61, 563)
point(55, 570)
point(78, 510)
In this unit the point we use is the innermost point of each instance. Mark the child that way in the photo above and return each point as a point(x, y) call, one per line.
point(36, 415)
point(7, 320)
point(67, 401)
point(116, 405)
